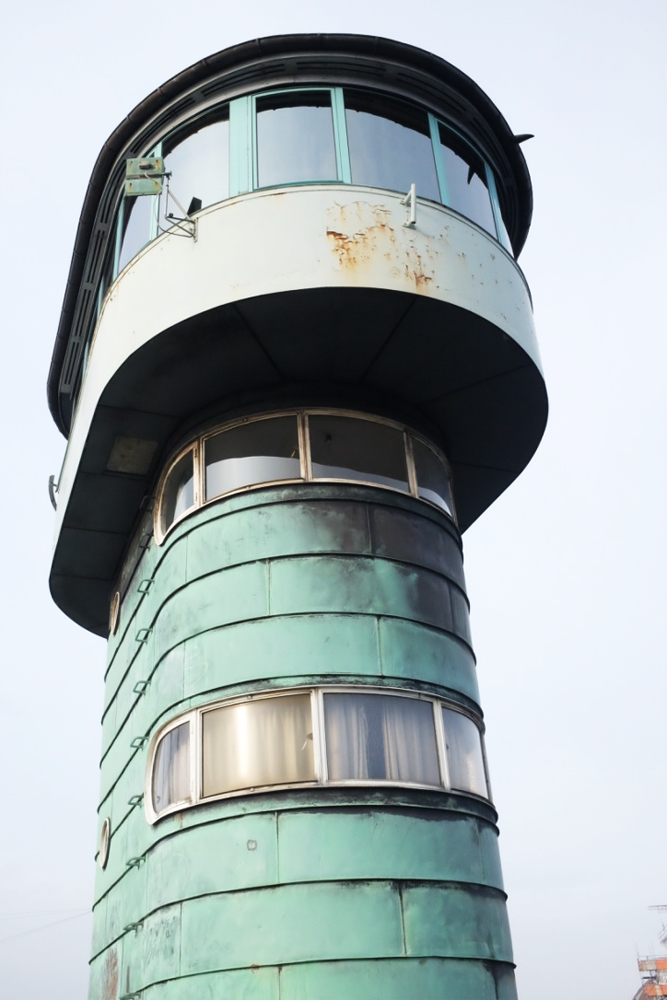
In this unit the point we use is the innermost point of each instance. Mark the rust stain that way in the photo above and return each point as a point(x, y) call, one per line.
point(360, 231)
point(110, 976)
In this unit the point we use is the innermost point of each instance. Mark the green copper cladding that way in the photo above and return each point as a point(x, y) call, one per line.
point(279, 588)
point(281, 413)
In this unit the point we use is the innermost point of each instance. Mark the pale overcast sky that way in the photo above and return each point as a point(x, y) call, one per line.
point(565, 573)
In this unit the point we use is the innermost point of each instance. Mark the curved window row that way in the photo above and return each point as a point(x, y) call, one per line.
point(302, 446)
point(318, 736)
point(313, 135)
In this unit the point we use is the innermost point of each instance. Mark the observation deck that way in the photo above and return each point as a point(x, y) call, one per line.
point(302, 268)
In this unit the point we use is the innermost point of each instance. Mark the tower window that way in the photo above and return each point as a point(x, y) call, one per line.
point(314, 737)
point(465, 179)
point(171, 771)
point(178, 494)
point(199, 167)
point(380, 738)
point(257, 452)
point(306, 446)
point(350, 448)
point(256, 743)
point(464, 753)
point(295, 138)
point(390, 144)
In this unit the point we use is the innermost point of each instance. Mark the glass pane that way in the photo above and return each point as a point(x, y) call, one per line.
point(464, 753)
point(171, 770)
point(265, 742)
point(362, 450)
point(390, 145)
point(260, 452)
point(295, 138)
point(199, 167)
point(137, 221)
point(380, 738)
point(432, 477)
point(466, 180)
point(178, 494)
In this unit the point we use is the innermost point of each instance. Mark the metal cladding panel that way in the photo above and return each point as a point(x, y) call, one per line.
point(456, 921)
point(293, 648)
point(236, 853)
point(278, 530)
point(365, 586)
point(405, 979)
point(155, 952)
point(259, 983)
point(307, 922)
point(381, 843)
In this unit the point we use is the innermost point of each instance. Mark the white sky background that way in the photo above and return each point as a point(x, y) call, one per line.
point(565, 573)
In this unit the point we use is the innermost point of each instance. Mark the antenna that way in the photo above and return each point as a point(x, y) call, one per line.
point(662, 936)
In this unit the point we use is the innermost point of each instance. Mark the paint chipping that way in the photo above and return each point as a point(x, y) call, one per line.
point(360, 234)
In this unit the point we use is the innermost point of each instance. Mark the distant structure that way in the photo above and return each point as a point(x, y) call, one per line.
point(653, 969)
point(296, 359)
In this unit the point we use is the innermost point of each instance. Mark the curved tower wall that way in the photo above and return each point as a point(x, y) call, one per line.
point(294, 794)
point(322, 892)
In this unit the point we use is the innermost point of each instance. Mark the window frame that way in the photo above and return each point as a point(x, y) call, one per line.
point(194, 742)
point(320, 761)
point(195, 448)
point(301, 414)
point(253, 171)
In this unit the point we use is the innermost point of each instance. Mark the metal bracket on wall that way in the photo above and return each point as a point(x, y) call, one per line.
point(410, 200)
point(138, 742)
point(135, 800)
point(145, 540)
point(136, 862)
point(145, 586)
point(134, 927)
point(140, 687)
point(142, 634)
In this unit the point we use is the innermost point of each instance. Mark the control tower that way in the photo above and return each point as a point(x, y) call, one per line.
point(296, 359)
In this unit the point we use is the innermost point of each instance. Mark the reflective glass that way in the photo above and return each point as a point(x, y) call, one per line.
point(362, 450)
point(262, 451)
point(464, 753)
point(178, 494)
point(390, 145)
point(256, 743)
point(137, 224)
point(380, 737)
point(432, 477)
point(199, 167)
point(171, 770)
point(466, 180)
point(295, 138)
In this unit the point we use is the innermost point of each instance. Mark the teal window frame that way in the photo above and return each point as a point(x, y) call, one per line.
point(340, 139)
point(500, 234)
point(241, 145)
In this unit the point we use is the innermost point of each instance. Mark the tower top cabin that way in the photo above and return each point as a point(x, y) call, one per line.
point(297, 221)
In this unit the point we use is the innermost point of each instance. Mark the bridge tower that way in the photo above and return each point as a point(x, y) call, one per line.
point(296, 360)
